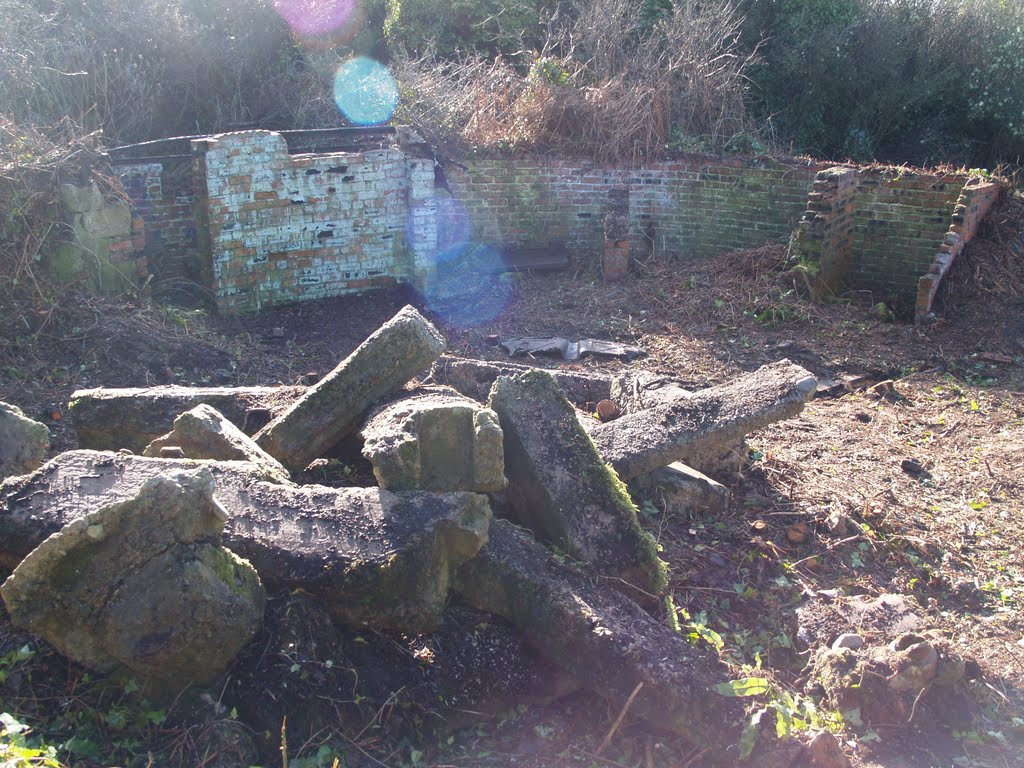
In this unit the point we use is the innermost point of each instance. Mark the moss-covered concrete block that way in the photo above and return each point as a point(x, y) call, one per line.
point(435, 440)
point(561, 488)
point(144, 585)
point(404, 346)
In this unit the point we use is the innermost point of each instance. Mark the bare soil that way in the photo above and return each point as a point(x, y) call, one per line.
point(926, 471)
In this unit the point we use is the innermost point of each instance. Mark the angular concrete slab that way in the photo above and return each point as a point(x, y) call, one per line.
point(23, 442)
point(111, 419)
point(474, 378)
point(706, 423)
point(435, 440)
point(143, 584)
point(373, 556)
point(633, 391)
point(679, 489)
point(204, 433)
point(603, 638)
point(560, 487)
point(404, 346)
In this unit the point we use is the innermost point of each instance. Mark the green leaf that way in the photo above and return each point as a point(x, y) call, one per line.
point(747, 686)
point(748, 739)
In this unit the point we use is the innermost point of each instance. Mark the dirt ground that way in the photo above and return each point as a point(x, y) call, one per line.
point(924, 471)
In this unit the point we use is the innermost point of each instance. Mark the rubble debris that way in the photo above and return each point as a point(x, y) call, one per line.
point(381, 365)
point(602, 638)
point(879, 656)
point(570, 350)
point(23, 442)
point(560, 487)
point(435, 440)
point(204, 433)
point(824, 751)
point(679, 489)
point(111, 419)
point(705, 423)
point(636, 390)
point(372, 556)
point(474, 378)
point(143, 584)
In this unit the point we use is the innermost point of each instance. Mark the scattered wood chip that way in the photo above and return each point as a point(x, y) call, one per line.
point(996, 357)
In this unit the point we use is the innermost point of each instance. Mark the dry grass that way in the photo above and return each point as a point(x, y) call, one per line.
point(603, 85)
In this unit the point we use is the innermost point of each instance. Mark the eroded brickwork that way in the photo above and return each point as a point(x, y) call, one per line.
point(260, 226)
point(163, 195)
point(283, 228)
point(691, 208)
point(890, 232)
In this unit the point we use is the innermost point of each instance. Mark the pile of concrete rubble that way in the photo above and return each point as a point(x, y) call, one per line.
point(151, 549)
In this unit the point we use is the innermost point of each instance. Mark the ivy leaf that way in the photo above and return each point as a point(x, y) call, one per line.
point(747, 686)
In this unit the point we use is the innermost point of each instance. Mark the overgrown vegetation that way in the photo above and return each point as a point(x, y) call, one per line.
point(918, 81)
point(606, 82)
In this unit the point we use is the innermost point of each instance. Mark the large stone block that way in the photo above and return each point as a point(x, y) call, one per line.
point(560, 487)
point(404, 346)
point(474, 378)
point(142, 584)
point(680, 490)
point(23, 442)
point(706, 423)
point(604, 639)
point(435, 440)
point(204, 433)
point(111, 419)
point(373, 556)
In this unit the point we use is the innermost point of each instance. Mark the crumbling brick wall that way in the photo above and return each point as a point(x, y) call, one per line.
point(891, 232)
point(259, 226)
point(286, 227)
point(899, 222)
point(693, 207)
point(162, 194)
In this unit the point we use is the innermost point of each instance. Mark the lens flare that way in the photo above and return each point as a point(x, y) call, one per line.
point(468, 287)
point(365, 91)
point(315, 17)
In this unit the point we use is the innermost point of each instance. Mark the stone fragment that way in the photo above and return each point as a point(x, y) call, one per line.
point(679, 489)
point(111, 419)
point(373, 556)
point(142, 584)
point(824, 751)
point(705, 423)
point(636, 390)
point(560, 487)
point(435, 440)
point(474, 378)
point(23, 442)
point(204, 433)
point(602, 638)
point(848, 640)
point(397, 351)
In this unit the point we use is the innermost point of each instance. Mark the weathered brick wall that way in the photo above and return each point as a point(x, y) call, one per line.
point(823, 241)
point(260, 226)
point(899, 223)
point(687, 208)
point(890, 231)
point(974, 203)
point(282, 228)
point(163, 195)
